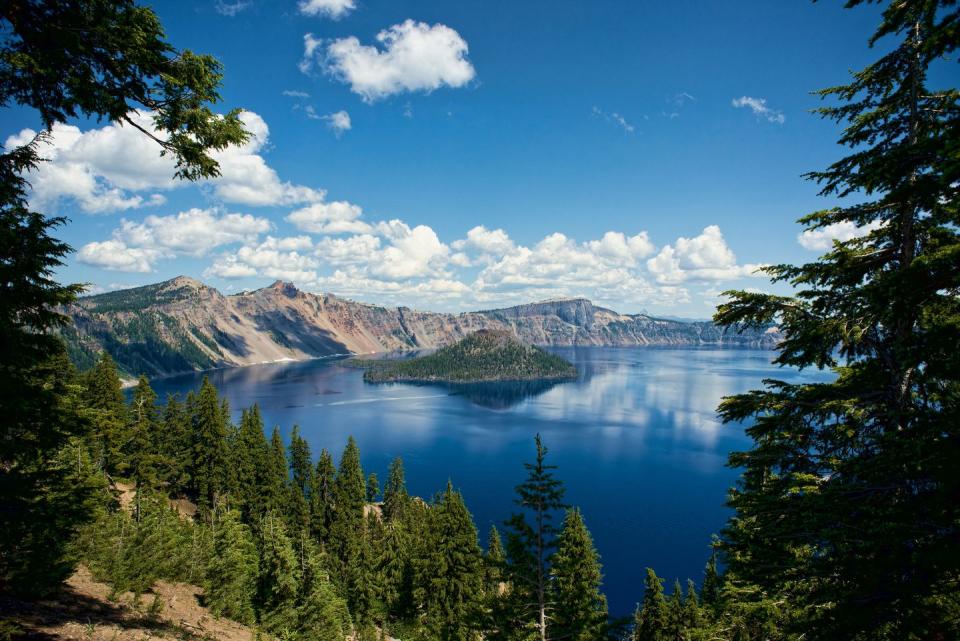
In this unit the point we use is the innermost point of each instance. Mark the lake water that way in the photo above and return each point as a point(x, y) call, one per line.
point(635, 437)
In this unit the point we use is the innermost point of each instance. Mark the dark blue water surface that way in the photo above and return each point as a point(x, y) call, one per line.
point(636, 440)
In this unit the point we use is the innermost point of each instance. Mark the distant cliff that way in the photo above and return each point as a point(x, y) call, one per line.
point(183, 325)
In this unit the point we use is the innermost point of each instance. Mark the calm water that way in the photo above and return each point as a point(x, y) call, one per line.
point(636, 438)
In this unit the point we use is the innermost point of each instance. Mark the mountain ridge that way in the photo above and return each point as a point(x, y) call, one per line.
point(181, 325)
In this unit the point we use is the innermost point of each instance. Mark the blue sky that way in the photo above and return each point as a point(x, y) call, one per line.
point(477, 154)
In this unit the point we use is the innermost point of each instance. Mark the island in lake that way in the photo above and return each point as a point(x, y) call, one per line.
point(484, 356)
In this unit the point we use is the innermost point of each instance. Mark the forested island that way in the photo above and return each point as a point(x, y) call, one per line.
point(484, 356)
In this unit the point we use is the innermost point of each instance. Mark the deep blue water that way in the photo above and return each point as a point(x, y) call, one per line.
point(636, 440)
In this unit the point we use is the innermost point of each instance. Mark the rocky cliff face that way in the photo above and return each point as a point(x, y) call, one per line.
point(182, 325)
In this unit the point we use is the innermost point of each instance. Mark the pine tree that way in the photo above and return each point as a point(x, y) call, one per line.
point(277, 476)
point(691, 607)
point(279, 583)
point(676, 616)
point(251, 459)
point(349, 498)
point(143, 449)
point(103, 398)
point(373, 488)
point(395, 570)
point(395, 495)
point(652, 621)
point(301, 482)
point(495, 559)
point(176, 447)
point(450, 575)
point(322, 614)
point(580, 607)
point(711, 582)
point(209, 447)
point(847, 506)
point(362, 578)
point(529, 545)
point(233, 570)
point(321, 497)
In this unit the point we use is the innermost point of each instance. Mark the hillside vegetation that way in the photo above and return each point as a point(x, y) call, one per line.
point(486, 355)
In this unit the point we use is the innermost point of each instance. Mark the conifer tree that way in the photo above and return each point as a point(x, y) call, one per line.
point(395, 494)
point(495, 559)
point(362, 579)
point(373, 488)
point(251, 460)
point(349, 498)
point(175, 447)
point(277, 475)
point(580, 608)
point(847, 506)
point(652, 621)
point(321, 496)
point(233, 570)
point(301, 482)
point(529, 545)
point(450, 575)
point(710, 594)
point(279, 583)
point(676, 616)
point(143, 450)
point(103, 398)
point(691, 607)
point(209, 447)
point(323, 613)
point(395, 570)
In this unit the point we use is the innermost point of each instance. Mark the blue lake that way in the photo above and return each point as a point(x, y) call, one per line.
point(636, 440)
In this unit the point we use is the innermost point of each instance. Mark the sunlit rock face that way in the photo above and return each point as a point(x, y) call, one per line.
point(183, 325)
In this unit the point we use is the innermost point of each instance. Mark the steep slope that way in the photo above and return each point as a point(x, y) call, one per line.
point(183, 325)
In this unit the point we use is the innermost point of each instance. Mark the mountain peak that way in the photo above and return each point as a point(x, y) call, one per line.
point(284, 287)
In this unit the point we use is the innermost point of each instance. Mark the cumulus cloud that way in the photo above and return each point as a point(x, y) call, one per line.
point(337, 217)
point(116, 168)
point(760, 109)
point(822, 239)
point(278, 258)
point(335, 9)
point(338, 122)
point(411, 56)
point(114, 255)
point(136, 246)
point(703, 258)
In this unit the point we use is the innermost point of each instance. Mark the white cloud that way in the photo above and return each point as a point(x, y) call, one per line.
point(335, 9)
point(703, 258)
point(760, 109)
point(495, 242)
point(614, 118)
point(116, 168)
point(337, 217)
point(114, 255)
point(338, 121)
point(822, 239)
point(277, 258)
point(231, 9)
point(194, 232)
point(413, 56)
point(136, 247)
point(293, 93)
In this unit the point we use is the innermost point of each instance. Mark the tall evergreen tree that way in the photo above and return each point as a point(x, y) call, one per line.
point(652, 621)
point(711, 582)
point(143, 449)
point(251, 460)
point(373, 488)
point(209, 447)
point(395, 494)
point(580, 607)
point(676, 616)
point(495, 559)
point(277, 475)
point(349, 498)
point(450, 575)
point(691, 607)
point(847, 505)
point(233, 570)
point(176, 446)
point(323, 614)
point(529, 545)
point(321, 496)
point(107, 414)
point(301, 482)
point(280, 576)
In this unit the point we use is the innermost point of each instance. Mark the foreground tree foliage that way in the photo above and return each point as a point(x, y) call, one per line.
point(67, 59)
point(847, 522)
